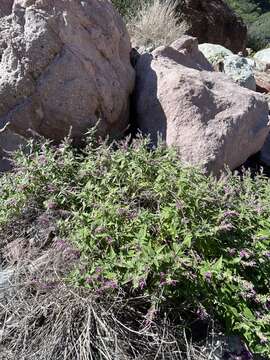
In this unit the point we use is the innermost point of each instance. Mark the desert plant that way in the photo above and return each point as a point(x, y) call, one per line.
point(141, 225)
point(155, 24)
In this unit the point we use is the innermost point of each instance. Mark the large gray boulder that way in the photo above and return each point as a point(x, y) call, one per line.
point(64, 65)
point(212, 121)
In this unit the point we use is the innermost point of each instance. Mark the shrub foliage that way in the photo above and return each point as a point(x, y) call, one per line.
point(250, 10)
point(256, 14)
point(128, 8)
point(259, 32)
point(145, 224)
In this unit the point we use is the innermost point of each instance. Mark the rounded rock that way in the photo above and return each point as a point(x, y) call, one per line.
point(263, 56)
point(214, 53)
point(65, 67)
point(240, 71)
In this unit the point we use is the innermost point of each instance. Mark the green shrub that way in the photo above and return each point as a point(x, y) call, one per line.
point(256, 14)
point(145, 224)
point(249, 10)
point(259, 33)
point(128, 8)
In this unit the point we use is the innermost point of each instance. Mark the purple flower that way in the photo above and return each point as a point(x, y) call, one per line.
point(100, 229)
point(142, 284)
point(23, 187)
point(202, 313)
point(262, 238)
point(168, 282)
point(110, 284)
point(162, 279)
point(68, 251)
point(51, 205)
point(122, 212)
point(51, 188)
point(171, 282)
point(226, 226)
point(178, 205)
point(232, 252)
point(263, 339)
point(43, 284)
point(246, 355)
point(132, 215)
point(259, 209)
point(42, 159)
point(11, 202)
point(44, 220)
point(267, 305)
point(109, 240)
point(230, 213)
point(191, 276)
point(227, 190)
point(73, 254)
point(61, 244)
point(267, 254)
point(90, 280)
point(98, 270)
point(244, 254)
point(208, 276)
point(50, 285)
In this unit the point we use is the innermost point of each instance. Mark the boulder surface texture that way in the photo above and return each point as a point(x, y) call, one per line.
point(263, 56)
point(213, 21)
point(5, 7)
point(240, 71)
point(214, 53)
point(212, 121)
point(64, 66)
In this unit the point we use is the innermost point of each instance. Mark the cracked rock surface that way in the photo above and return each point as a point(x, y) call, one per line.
point(63, 65)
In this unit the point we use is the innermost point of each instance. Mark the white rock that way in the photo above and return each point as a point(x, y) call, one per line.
point(251, 62)
point(263, 56)
point(240, 71)
point(214, 53)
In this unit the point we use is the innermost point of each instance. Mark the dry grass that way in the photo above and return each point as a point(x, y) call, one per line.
point(62, 323)
point(44, 318)
point(155, 25)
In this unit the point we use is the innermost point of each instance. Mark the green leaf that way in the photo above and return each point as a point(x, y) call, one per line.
point(187, 242)
point(218, 265)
